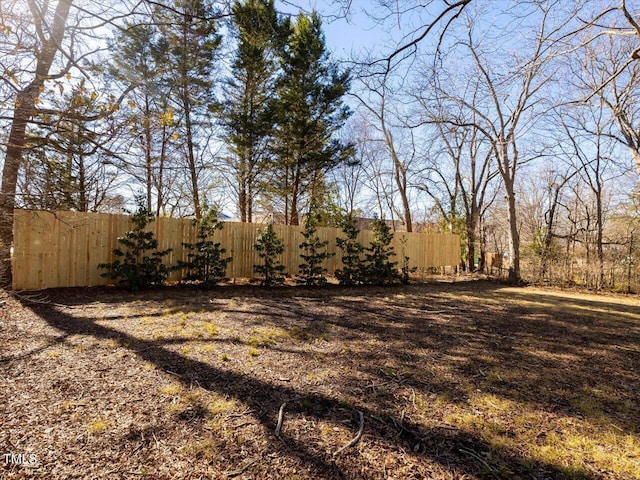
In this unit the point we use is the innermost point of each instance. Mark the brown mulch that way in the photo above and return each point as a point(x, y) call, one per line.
point(304, 383)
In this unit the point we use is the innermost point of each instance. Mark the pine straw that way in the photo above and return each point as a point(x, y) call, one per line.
point(445, 381)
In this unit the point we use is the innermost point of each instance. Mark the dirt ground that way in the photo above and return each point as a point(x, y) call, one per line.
point(469, 380)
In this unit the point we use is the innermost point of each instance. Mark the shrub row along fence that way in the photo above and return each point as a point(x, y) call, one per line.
point(63, 249)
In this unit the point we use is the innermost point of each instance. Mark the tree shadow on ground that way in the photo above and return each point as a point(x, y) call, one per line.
point(582, 366)
point(459, 451)
point(536, 352)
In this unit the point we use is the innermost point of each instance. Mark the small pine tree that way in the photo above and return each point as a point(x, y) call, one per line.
point(314, 252)
point(378, 267)
point(269, 246)
point(205, 263)
point(405, 269)
point(351, 273)
point(139, 264)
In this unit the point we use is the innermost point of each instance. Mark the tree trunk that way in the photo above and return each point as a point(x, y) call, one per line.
point(242, 201)
point(635, 156)
point(186, 105)
point(472, 225)
point(400, 176)
point(407, 210)
point(249, 202)
point(191, 157)
point(514, 236)
point(148, 160)
point(83, 204)
point(401, 183)
point(629, 264)
point(599, 240)
point(548, 235)
point(243, 185)
point(483, 247)
point(294, 218)
point(160, 205)
point(24, 110)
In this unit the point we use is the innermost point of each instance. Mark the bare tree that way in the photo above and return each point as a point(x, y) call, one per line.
point(625, 242)
point(430, 20)
point(45, 45)
point(349, 177)
point(377, 178)
point(438, 180)
point(556, 183)
point(609, 22)
point(619, 91)
point(592, 150)
point(190, 31)
point(463, 169)
point(510, 101)
point(376, 99)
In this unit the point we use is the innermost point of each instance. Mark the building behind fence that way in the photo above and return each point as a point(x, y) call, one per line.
point(63, 249)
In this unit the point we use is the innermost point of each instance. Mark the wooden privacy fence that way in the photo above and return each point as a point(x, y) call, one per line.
point(63, 249)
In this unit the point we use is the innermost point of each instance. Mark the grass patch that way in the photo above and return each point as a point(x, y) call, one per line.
point(210, 329)
point(97, 426)
point(266, 336)
point(222, 406)
point(171, 389)
point(206, 450)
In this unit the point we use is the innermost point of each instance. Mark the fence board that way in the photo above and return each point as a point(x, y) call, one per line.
point(63, 249)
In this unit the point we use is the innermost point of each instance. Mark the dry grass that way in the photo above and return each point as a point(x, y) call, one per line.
point(465, 381)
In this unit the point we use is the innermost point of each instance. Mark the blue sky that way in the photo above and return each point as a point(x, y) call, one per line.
point(356, 34)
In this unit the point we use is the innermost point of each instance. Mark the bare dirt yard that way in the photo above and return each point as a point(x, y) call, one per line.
point(470, 380)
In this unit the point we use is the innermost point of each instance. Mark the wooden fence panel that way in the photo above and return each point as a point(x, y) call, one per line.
point(64, 249)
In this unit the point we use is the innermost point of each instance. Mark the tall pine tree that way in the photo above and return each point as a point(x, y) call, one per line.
point(246, 115)
point(309, 112)
point(140, 64)
point(190, 31)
